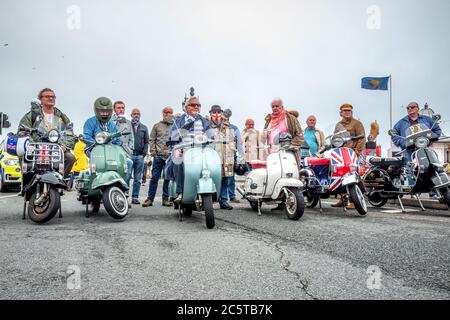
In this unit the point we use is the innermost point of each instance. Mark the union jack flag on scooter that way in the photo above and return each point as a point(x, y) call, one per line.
point(334, 172)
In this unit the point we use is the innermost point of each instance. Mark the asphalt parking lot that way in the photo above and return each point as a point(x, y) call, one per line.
point(151, 255)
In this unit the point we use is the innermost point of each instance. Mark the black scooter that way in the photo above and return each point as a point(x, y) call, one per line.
point(42, 177)
point(392, 178)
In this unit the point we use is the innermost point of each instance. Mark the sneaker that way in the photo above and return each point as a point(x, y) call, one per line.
point(147, 203)
point(338, 204)
point(226, 206)
point(167, 203)
point(234, 201)
point(135, 201)
point(351, 206)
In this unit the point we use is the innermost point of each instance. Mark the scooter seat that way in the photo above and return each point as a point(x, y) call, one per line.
point(313, 161)
point(258, 164)
point(396, 161)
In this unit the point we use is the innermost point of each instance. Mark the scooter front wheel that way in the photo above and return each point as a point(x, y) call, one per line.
point(358, 199)
point(47, 209)
point(295, 204)
point(115, 202)
point(209, 210)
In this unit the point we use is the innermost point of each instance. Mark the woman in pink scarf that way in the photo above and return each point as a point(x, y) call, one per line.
point(281, 120)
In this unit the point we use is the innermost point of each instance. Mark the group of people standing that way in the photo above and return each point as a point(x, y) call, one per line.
point(242, 146)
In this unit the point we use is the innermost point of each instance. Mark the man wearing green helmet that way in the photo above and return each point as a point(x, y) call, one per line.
point(103, 110)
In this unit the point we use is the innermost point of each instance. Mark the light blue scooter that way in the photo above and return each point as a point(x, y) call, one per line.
point(202, 177)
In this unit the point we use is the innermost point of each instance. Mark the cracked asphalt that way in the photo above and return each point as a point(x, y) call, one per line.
point(151, 255)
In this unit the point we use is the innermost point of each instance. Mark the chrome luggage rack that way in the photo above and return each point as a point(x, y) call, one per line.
point(44, 153)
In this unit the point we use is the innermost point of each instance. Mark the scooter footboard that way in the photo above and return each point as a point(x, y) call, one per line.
point(440, 180)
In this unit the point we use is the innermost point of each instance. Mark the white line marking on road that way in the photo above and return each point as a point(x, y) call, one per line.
point(399, 211)
point(6, 197)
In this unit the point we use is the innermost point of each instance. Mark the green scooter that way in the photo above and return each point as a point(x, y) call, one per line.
point(202, 177)
point(106, 179)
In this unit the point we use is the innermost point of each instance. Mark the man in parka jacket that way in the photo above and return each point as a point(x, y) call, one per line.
point(44, 116)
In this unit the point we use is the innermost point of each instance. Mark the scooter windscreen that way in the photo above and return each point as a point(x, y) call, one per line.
point(340, 136)
point(419, 136)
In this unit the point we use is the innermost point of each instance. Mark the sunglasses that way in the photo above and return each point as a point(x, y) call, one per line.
point(194, 105)
point(411, 107)
point(49, 97)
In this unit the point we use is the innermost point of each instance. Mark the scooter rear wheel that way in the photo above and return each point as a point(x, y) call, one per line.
point(446, 195)
point(378, 202)
point(311, 201)
point(187, 210)
point(209, 210)
point(96, 206)
point(115, 202)
point(254, 205)
point(44, 213)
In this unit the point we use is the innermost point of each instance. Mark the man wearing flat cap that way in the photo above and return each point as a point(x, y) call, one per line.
point(227, 152)
point(353, 126)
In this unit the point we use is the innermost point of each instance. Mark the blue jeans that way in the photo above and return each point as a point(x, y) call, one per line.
point(178, 174)
point(138, 166)
point(158, 166)
point(224, 189)
point(232, 188)
point(130, 170)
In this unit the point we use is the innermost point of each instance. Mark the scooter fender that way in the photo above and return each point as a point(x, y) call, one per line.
point(283, 183)
point(52, 178)
point(108, 178)
point(206, 185)
point(350, 178)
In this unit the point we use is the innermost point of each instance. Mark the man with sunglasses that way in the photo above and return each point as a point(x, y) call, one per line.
point(45, 117)
point(413, 118)
point(187, 123)
point(160, 153)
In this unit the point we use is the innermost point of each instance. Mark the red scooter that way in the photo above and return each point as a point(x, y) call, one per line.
point(336, 173)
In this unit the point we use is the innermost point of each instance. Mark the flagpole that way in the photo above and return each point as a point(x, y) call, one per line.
point(390, 101)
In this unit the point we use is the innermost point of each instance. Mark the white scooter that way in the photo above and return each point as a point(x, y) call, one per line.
point(276, 181)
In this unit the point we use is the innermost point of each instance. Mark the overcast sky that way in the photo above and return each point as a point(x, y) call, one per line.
point(236, 53)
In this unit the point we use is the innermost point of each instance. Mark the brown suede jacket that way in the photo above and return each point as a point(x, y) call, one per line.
point(294, 127)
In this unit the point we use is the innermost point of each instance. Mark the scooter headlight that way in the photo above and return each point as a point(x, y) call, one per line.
point(422, 142)
point(337, 142)
point(101, 137)
point(53, 136)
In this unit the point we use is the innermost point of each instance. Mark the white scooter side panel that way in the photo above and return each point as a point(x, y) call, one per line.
point(257, 177)
point(273, 172)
